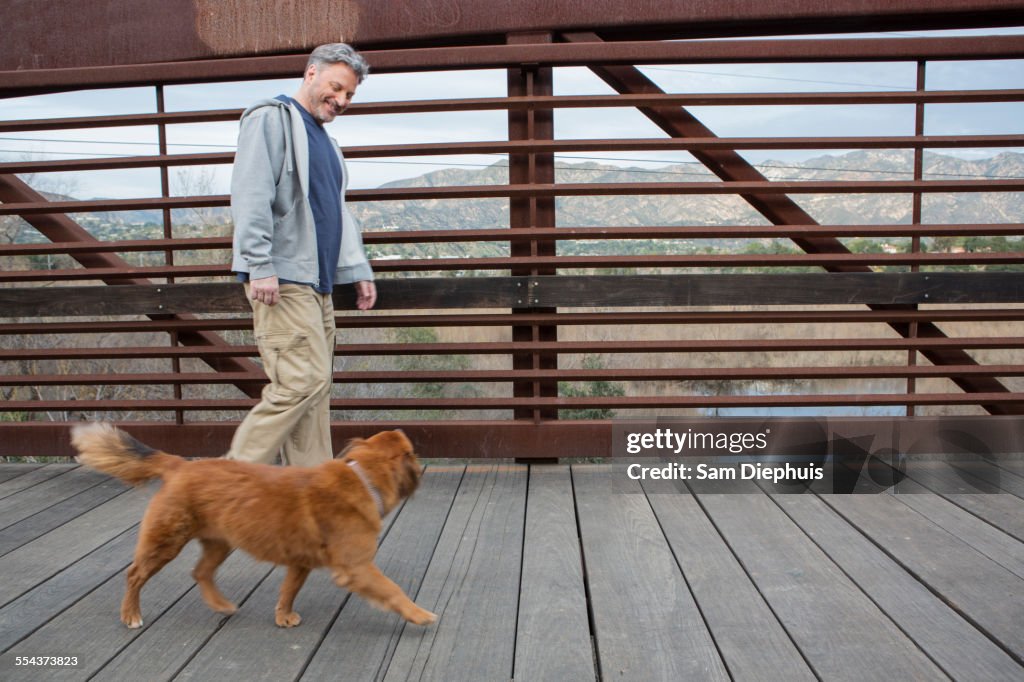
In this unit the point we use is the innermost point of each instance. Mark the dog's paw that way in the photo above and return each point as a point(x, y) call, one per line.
point(287, 620)
point(133, 622)
point(225, 607)
point(421, 617)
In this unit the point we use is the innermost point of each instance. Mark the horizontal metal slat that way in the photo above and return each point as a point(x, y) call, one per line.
point(553, 233)
point(551, 190)
point(561, 403)
point(563, 347)
point(502, 376)
point(518, 147)
point(557, 262)
point(616, 317)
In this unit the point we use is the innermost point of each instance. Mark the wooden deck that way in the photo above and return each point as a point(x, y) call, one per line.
point(544, 573)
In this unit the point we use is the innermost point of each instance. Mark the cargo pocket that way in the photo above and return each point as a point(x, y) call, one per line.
point(286, 360)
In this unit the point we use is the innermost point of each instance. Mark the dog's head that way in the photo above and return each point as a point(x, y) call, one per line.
point(389, 451)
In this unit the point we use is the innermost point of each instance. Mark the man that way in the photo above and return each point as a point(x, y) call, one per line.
point(294, 240)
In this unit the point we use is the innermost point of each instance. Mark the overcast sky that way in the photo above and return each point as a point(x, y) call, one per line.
point(478, 126)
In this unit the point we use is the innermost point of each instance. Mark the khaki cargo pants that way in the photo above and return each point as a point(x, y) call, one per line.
point(296, 339)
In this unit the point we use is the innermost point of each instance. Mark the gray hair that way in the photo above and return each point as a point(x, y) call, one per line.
point(340, 53)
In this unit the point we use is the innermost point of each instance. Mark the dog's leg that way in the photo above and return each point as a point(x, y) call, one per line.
point(162, 534)
point(369, 583)
point(214, 554)
point(293, 581)
point(150, 557)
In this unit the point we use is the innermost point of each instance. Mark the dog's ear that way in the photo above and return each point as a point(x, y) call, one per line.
point(354, 442)
point(404, 448)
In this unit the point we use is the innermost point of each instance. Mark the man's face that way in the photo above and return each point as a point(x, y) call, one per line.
point(327, 90)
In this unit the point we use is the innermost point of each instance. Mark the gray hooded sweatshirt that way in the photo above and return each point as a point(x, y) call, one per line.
point(274, 229)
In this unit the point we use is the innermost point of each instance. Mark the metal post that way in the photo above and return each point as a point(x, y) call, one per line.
point(532, 168)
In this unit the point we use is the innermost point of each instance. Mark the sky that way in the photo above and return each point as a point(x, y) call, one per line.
point(353, 130)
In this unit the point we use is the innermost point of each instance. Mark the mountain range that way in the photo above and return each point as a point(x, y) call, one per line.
point(678, 209)
point(717, 209)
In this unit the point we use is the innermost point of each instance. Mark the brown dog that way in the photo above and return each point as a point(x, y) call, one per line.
point(303, 518)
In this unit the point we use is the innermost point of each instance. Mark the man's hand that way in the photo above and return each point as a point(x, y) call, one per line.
point(366, 295)
point(265, 290)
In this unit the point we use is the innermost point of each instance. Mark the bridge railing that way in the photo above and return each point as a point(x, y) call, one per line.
point(529, 348)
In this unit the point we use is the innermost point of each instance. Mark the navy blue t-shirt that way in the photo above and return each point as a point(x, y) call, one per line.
point(324, 199)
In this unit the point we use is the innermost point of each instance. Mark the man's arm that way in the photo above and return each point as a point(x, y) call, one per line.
point(253, 190)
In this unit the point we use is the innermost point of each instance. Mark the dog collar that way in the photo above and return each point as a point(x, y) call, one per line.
point(370, 488)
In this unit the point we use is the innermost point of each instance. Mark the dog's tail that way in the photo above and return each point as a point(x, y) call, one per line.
point(108, 449)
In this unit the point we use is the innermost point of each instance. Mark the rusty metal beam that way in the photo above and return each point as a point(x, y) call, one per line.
point(647, 51)
point(547, 265)
point(122, 31)
point(530, 375)
point(617, 318)
point(760, 192)
point(556, 234)
point(529, 213)
point(846, 345)
point(778, 208)
point(438, 439)
point(1000, 398)
point(537, 146)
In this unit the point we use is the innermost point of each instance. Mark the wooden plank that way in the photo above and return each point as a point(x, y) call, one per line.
point(1014, 466)
point(1002, 510)
point(978, 588)
point(249, 641)
point(544, 291)
point(9, 470)
point(776, 289)
point(34, 478)
point(131, 299)
point(92, 629)
point(472, 583)
point(14, 508)
point(953, 643)
point(994, 543)
point(172, 638)
point(48, 599)
point(646, 623)
point(839, 631)
point(444, 293)
point(34, 562)
point(43, 522)
point(553, 635)
point(362, 640)
point(223, 297)
point(753, 644)
point(989, 477)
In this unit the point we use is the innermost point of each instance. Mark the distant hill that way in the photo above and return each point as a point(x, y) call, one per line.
point(715, 209)
point(663, 210)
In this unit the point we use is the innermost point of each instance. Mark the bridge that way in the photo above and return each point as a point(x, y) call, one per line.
point(511, 350)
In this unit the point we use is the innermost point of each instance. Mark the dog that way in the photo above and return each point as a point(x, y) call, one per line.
point(303, 518)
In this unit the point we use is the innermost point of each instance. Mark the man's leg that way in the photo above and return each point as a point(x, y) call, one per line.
point(310, 441)
point(293, 347)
